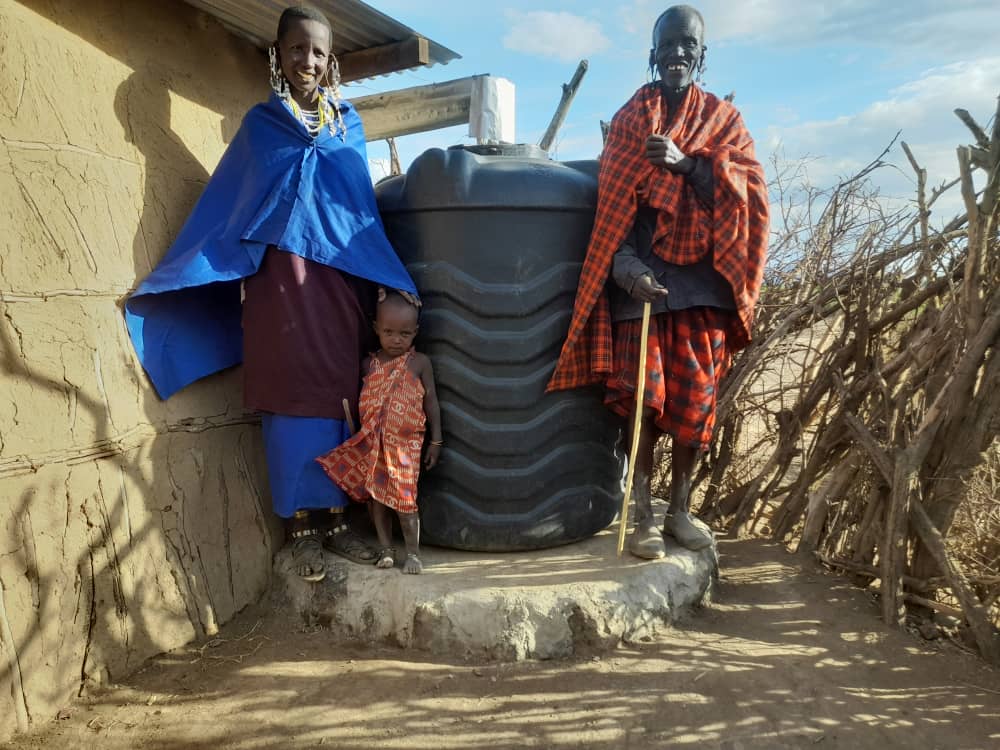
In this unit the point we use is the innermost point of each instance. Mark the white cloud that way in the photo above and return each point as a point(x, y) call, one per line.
point(560, 35)
point(948, 28)
point(923, 109)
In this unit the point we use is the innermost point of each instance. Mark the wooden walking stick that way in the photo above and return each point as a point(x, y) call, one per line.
point(640, 394)
point(348, 416)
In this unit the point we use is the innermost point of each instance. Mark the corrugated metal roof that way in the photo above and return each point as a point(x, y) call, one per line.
point(356, 25)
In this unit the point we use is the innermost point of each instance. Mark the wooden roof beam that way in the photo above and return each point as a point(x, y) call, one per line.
point(387, 58)
point(415, 110)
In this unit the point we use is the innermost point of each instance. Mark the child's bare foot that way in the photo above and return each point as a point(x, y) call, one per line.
point(410, 524)
point(413, 566)
point(386, 558)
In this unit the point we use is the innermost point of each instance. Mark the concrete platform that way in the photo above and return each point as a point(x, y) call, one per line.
point(565, 601)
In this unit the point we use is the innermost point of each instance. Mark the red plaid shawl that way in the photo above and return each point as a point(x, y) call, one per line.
point(706, 127)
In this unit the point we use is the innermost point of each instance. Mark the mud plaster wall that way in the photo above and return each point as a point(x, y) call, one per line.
point(128, 526)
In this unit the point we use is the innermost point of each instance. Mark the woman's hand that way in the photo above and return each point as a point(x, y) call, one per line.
point(661, 151)
point(647, 289)
point(432, 457)
point(409, 297)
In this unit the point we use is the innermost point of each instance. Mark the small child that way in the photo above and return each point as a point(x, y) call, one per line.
point(382, 461)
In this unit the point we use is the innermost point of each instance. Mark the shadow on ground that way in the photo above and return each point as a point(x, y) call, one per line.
point(786, 658)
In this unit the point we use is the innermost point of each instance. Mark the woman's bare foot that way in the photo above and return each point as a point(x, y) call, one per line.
point(386, 558)
point(413, 566)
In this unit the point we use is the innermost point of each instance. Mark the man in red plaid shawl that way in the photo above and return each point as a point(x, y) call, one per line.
point(682, 223)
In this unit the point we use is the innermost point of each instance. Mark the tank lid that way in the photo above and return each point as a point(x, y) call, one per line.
point(518, 150)
point(489, 177)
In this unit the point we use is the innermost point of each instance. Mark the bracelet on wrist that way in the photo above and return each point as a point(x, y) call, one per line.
point(437, 442)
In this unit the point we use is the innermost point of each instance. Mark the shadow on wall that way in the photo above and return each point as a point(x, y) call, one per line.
point(174, 178)
point(155, 527)
point(107, 25)
point(96, 573)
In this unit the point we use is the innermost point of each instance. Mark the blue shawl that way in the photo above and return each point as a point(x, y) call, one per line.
point(275, 185)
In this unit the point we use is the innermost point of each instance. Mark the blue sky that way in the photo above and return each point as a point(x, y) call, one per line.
point(831, 82)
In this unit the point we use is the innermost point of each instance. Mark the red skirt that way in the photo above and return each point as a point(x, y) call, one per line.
point(686, 359)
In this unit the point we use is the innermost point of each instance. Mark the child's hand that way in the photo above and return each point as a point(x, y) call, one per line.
point(433, 454)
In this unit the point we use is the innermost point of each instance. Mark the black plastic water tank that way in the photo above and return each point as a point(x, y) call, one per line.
point(495, 242)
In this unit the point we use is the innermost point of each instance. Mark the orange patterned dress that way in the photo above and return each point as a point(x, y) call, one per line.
point(382, 461)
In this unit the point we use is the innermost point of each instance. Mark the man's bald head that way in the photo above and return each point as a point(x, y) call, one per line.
point(677, 13)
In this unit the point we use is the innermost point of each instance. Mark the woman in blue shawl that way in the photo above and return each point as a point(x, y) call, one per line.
point(289, 222)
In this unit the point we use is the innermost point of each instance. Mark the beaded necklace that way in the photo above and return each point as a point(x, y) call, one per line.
point(325, 115)
point(311, 119)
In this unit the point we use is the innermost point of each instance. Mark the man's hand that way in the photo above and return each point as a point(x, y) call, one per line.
point(663, 152)
point(647, 289)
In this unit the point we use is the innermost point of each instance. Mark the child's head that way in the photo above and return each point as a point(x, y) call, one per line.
point(395, 324)
point(304, 43)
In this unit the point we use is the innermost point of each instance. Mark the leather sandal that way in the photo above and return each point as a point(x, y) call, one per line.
point(307, 556)
point(647, 542)
point(340, 540)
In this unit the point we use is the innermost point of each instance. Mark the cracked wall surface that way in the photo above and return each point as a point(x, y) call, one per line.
point(128, 525)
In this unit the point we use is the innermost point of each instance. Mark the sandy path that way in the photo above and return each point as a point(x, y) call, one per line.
point(785, 658)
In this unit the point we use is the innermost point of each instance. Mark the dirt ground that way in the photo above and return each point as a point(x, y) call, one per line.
point(786, 657)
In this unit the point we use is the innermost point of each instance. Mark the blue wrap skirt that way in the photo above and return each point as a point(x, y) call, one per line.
point(292, 445)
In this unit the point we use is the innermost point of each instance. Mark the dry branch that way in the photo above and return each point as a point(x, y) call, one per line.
point(871, 392)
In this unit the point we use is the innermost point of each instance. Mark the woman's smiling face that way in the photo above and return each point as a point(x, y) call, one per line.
point(304, 51)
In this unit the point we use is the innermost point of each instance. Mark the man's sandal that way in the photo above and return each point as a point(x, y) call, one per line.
point(646, 543)
point(307, 555)
point(690, 532)
point(386, 558)
point(342, 541)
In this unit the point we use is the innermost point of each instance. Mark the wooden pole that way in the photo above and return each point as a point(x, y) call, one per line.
point(569, 91)
point(640, 394)
point(348, 416)
point(395, 168)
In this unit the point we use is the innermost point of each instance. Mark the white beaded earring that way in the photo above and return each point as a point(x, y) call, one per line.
point(279, 84)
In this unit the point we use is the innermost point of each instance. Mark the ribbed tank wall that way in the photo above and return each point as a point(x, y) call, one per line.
point(495, 245)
